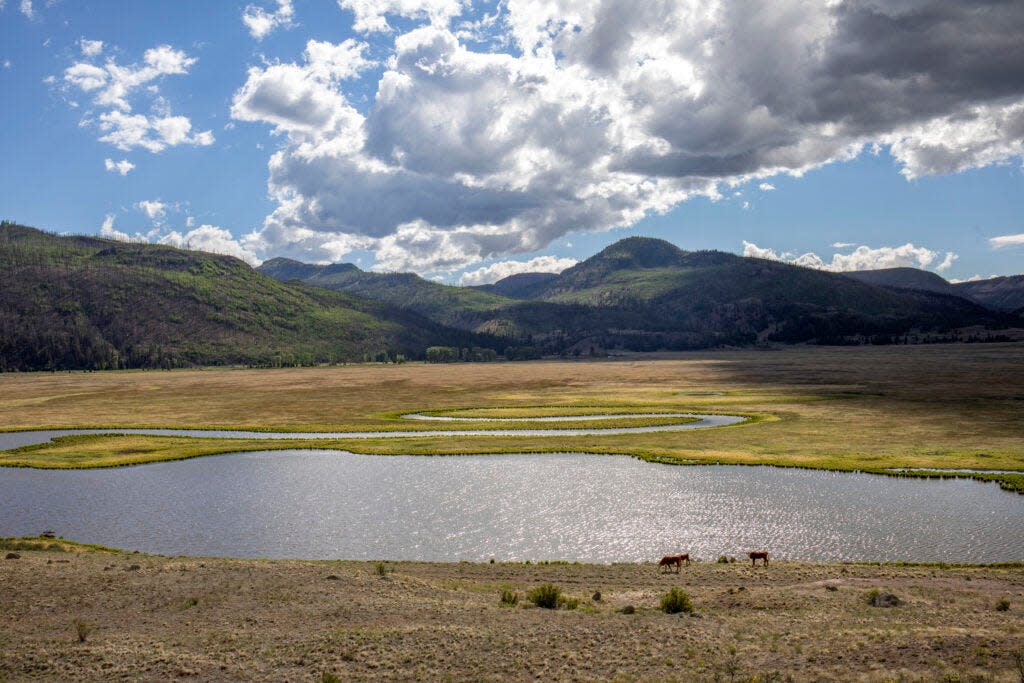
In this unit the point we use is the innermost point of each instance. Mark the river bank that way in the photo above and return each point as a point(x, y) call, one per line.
point(84, 613)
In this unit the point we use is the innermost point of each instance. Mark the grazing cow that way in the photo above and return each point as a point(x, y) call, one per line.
point(756, 555)
point(676, 560)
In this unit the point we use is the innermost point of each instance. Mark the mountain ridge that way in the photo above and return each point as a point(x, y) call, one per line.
point(645, 294)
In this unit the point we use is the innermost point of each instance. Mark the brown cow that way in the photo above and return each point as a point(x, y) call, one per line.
point(756, 555)
point(676, 560)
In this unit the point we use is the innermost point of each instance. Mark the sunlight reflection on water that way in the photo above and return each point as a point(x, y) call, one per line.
point(331, 504)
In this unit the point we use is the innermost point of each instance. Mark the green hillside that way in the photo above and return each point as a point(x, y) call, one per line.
point(463, 307)
point(86, 302)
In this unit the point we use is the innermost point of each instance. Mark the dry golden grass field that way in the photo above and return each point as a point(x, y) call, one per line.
point(864, 408)
point(173, 618)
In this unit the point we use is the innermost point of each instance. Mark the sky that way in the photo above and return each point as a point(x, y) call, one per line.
point(467, 141)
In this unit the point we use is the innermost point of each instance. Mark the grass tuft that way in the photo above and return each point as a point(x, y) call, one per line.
point(82, 629)
point(565, 602)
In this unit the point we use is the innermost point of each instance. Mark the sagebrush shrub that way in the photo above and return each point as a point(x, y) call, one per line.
point(545, 596)
point(676, 601)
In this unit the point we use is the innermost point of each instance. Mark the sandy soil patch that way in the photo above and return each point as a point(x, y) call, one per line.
point(165, 618)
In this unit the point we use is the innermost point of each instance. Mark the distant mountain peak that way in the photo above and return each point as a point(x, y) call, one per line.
point(641, 252)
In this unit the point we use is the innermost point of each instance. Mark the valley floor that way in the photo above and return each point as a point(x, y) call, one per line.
point(950, 406)
point(162, 618)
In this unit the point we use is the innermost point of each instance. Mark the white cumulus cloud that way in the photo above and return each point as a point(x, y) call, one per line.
point(151, 133)
point(212, 239)
point(108, 231)
point(305, 99)
point(209, 238)
point(502, 269)
point(590, 115)
point(371, 15)
point(90, 48)
point(112, 85)
point(1007, 241)
point(861, 258)
point(261, 23)
point(973, 278)
point(766, 187)
point(27, 9)
point(153, 208)
point(122, 167)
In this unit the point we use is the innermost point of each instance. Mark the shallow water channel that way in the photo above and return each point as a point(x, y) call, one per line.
point(10, 440)
point(333, 504)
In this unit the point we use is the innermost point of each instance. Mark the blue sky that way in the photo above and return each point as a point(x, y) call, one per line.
point(471, 141)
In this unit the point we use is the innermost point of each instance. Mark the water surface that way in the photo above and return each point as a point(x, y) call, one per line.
point(333, 504)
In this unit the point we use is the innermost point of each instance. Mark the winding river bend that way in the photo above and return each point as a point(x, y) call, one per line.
point(10, 440)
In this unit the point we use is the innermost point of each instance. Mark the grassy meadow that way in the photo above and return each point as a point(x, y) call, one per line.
point(847, 408)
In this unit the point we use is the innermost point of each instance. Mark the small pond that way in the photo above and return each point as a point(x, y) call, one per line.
point(333, 504)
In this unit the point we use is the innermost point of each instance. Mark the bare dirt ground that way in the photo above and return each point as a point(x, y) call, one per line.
point(162, 618)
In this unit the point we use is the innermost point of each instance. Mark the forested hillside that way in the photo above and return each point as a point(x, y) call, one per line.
point(646, 294)
point(86, 302)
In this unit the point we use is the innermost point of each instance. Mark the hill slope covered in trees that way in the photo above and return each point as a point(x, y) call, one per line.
point(91, 303)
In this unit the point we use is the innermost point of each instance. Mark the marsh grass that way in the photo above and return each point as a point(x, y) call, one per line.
point(846, 409)
point(52, 545)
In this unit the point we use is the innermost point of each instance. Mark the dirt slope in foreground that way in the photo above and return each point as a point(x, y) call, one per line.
point(162, 618)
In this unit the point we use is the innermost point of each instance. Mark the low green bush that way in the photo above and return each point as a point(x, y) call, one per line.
point(676, 601)
point(509, 599)
point(545, 595)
